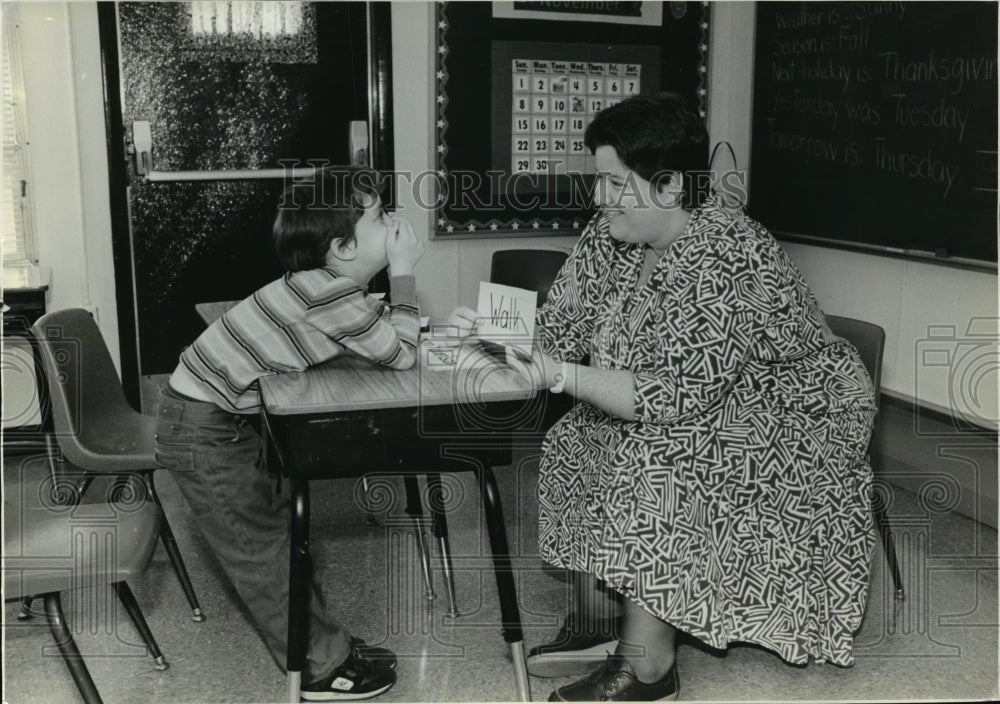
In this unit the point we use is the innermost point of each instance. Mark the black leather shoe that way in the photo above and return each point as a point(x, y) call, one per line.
point(617, 683)
point(580, 647)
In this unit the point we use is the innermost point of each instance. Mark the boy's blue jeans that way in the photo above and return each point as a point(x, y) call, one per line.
point(217, 459)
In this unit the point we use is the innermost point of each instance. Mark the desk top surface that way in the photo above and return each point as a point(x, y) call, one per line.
point(350, 383)
point(213, 310)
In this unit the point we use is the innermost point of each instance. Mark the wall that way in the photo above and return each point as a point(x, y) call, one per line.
point(903, 297)
point(450, 271)
point(68, 158)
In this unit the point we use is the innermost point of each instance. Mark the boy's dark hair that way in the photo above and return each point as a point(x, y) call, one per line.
point(312, 213)
point(656, 136)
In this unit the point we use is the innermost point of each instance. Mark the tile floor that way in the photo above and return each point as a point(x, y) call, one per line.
point(940, 643)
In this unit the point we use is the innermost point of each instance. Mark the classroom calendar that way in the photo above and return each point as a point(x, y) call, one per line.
point(551, 104)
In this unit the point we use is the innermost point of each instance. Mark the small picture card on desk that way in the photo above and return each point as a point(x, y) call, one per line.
point(438, 354)
point(439, 345)
point(506, 316)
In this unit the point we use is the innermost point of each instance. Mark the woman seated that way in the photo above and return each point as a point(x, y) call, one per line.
point(715, 472)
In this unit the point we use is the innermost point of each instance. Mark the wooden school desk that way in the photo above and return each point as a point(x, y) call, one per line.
point(212, 310)
point(349, 417)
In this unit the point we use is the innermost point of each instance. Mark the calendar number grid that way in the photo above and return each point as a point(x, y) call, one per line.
point(552, 102)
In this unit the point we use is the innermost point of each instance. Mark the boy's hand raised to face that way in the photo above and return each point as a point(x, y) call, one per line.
point(403, 248)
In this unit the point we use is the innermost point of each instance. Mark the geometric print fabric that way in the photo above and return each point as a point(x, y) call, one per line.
point(736, 506)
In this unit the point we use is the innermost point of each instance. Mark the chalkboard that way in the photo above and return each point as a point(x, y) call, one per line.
point(875, 124)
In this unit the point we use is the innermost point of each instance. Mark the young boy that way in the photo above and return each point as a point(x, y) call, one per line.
point(333, 236)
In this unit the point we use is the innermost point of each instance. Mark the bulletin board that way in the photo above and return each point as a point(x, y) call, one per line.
point(517, 85)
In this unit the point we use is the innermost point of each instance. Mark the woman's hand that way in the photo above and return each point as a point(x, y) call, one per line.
point(403, 248)
point(463, 320)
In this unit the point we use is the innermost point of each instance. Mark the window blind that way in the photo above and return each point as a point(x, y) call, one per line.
point(17, 236)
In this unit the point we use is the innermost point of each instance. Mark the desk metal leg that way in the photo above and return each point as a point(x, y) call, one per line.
point(370, 519)
point(510, 613)
point(414, 509)
point(300, 567)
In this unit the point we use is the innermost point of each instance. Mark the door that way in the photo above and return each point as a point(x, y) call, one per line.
point(223, 91)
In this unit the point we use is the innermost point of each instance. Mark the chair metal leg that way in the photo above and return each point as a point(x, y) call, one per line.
point(128, 601)
point(439, 527)
point(415, 510)
point(67, 648)
point(24, 612)
point(889, 547)
point(82, 485)
point(449, 577)
point(370, 519)
point(174, 553)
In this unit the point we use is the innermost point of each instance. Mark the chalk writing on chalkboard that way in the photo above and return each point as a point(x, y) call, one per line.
point(876, 123)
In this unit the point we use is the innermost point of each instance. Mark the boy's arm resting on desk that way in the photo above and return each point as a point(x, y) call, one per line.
point(404, 316)
point(388, 338)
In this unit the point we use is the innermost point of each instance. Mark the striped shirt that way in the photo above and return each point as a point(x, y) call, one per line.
point(301, 320)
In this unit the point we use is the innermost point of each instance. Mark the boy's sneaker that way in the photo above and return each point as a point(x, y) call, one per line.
point(358, 677)
point(582, 645)
point(360, 649)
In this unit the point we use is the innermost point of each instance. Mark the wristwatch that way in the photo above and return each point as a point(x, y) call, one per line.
point(560, 379)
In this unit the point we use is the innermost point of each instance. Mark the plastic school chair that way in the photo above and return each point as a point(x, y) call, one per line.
point(98, 433)
point(51, 549)
point(869, 340)
point(532, 269)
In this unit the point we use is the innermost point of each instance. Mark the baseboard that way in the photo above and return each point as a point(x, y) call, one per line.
point(949, 465)
point(922, 410)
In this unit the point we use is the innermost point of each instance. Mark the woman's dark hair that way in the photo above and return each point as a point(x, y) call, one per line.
point(312, 213)
point(656, 136)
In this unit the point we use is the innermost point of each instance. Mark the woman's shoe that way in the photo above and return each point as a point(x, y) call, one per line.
point(617, 683)
point(580, 647)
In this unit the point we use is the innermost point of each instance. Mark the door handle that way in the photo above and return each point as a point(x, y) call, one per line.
point(358, 143)
point(142, 140)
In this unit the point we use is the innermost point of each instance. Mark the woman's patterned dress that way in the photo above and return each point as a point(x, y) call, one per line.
point(736, 506)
